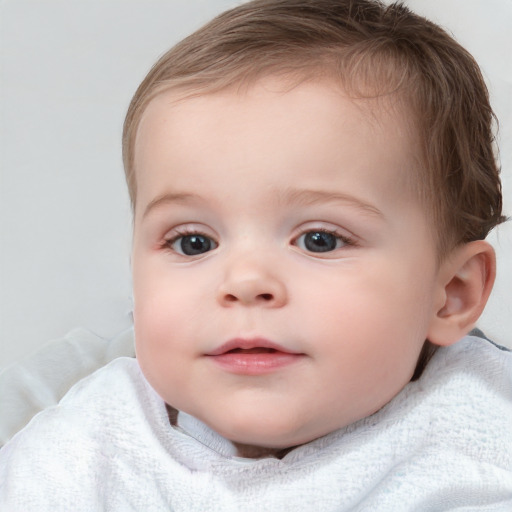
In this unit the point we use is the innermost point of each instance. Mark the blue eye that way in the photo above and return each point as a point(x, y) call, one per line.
point(193, 244)
point(320, 241)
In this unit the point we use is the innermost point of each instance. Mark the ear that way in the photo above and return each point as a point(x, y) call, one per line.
point(466, 279)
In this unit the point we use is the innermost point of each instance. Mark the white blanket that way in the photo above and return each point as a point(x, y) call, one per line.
point(444, 443)
point(44, 377)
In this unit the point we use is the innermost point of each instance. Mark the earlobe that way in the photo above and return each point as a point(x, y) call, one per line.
point(466, 279)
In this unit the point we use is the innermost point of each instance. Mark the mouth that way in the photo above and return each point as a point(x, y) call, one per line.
point(250, 346)
point(253, 356)
point(255, 350)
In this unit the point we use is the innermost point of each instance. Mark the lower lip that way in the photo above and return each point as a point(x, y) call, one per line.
point(255, 363)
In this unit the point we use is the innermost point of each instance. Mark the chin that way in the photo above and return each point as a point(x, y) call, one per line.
point(272, 434)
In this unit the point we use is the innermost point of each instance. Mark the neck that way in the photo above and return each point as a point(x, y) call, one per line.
point(249, 451)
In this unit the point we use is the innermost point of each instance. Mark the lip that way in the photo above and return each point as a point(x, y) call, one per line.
point(255, 356)
point(248, 344)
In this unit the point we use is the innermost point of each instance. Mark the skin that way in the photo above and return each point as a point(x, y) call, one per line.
point(254, 171)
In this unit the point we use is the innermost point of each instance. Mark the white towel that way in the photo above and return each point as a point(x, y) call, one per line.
point(443, 443)
point(44, 377)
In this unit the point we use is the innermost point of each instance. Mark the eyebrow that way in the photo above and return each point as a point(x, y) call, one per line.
point(291, 196)
point(306, 197)
point(180, 197)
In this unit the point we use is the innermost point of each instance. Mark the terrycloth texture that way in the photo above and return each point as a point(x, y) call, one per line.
point(42, 379)
point(444, 443)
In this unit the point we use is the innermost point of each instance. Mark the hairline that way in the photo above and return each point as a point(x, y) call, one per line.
point(397, 101)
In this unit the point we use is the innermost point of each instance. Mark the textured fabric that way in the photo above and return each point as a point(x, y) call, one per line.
point(42, 379)
point(443, 443)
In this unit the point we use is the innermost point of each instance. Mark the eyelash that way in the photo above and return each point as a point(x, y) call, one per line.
point(346, 240)
point(180, 233)
point(167, 243)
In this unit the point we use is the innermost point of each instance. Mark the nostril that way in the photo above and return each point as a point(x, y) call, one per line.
point(261, 297)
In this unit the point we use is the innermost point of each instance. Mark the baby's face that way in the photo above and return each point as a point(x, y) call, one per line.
point(285, 278)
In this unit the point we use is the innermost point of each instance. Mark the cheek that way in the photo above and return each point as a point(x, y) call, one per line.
point(160, 343)
point(170, 321)
point(371, 317)
point(162, 323)
point(157, 313)
point(160, 297)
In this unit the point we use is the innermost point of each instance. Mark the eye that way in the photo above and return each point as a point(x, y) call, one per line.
point(319, 241)
point(192, 244)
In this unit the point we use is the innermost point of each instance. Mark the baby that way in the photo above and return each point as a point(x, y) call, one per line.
point(312, 182)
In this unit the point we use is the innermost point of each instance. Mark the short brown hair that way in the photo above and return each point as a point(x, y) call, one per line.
point(371, 49)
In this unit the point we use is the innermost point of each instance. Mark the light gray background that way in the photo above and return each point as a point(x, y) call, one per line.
point(68, 69)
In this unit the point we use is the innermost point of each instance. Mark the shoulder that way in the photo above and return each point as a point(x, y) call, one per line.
point(102, 398)
point(41, 379)
point(122, 375)
point(97, 394)
point(445, 439)
point(466, 393)
point(475, 371)
point(477, 360)
point(64, 448)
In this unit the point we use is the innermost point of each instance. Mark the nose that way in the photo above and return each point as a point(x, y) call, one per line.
point(250, 286)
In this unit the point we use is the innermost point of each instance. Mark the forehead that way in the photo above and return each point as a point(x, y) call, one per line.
point(374, 109)
point(283, 120)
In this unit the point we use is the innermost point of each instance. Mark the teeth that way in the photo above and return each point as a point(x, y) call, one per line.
point(255, 350)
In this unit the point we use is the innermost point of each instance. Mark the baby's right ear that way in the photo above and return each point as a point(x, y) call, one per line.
point(466, 278)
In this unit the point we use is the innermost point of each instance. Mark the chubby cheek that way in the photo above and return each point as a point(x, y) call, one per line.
point(163, 356)
point(160, 321)
point(398, 328)
point(162, 302)
point(374, 328)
